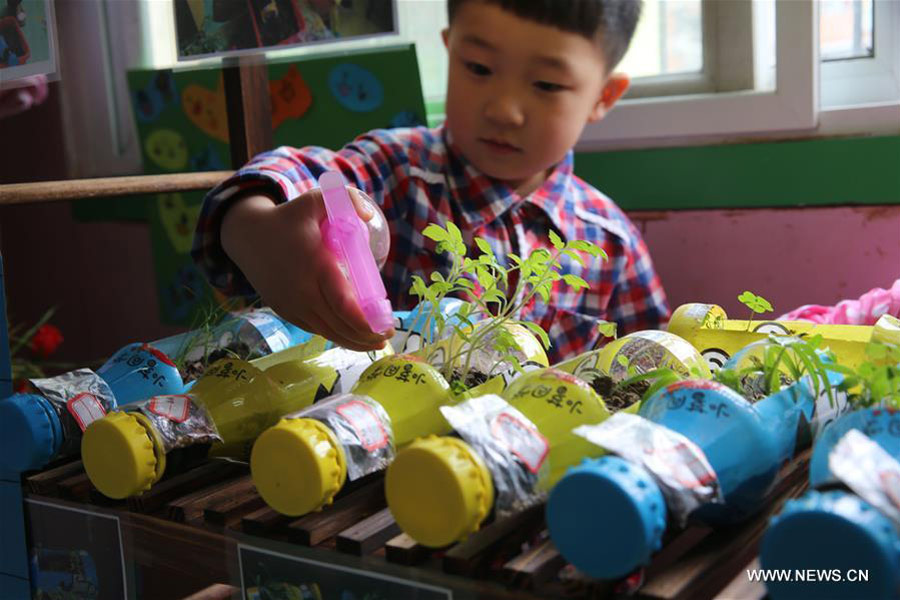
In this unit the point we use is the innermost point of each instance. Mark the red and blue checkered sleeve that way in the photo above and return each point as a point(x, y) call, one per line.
point(638, 300)
point(369, 163)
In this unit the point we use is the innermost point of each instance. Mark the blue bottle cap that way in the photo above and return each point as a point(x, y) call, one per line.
point(30, 432)
point(824, 534)
point(607, 517)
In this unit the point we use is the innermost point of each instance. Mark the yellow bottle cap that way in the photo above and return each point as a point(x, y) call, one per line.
point(120, 456)
point(298, 466)
point(439, 490)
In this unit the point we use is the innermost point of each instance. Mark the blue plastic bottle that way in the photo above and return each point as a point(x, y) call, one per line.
point(831, 530)
point(607, 516)
point(38, 427)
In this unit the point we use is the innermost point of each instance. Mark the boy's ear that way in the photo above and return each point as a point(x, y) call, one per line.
point(616, 85)
point(445, 35)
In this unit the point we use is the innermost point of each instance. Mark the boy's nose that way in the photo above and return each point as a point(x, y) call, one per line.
point(504, 110)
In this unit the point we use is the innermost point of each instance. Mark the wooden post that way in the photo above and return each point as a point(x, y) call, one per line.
point(249, 108)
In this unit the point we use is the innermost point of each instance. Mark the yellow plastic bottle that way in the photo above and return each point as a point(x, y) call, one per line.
point(300, 464)
point(440, 489)
point(124, 453)
point(641, 351)
point(708, 328)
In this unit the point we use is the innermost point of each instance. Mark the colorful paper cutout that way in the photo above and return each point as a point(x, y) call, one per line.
point(207, 160)
point(167, 149)
point(355, 88)
point(184, 293)
point(178, 219)
point(206, 109)
point(291, 97)
point(150, 101)
point(406, 118)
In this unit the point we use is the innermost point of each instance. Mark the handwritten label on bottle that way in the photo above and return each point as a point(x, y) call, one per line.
point(365, 422)
point(522, 439)
point(86, 409)
point(175, 408)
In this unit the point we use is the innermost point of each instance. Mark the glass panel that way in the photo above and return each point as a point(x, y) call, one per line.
point(845, 29)
point(421, 21)
point(668, 40)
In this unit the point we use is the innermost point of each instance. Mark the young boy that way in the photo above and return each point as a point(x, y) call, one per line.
point(525, 77)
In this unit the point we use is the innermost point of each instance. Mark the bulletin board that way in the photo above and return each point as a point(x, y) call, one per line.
point(181, 122)
point(227, 28)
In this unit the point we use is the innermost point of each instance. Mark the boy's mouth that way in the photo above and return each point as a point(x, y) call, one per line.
point(499, 145)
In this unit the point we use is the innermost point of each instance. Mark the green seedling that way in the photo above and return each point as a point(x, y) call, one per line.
point(756, 304)
point(875, 382)
point(784, 361)
point(485, 282)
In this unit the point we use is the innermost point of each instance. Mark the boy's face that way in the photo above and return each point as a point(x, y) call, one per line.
point(519, 93)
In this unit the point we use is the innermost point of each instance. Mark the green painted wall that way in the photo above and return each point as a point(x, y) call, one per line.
point(821, 172)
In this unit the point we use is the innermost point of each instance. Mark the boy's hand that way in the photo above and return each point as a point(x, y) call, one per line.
point(280, 250)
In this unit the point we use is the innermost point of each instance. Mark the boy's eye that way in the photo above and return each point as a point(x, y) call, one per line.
point(477, 69)
point(546, 86)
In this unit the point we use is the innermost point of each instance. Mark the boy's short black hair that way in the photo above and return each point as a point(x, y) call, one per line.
point(614, 20)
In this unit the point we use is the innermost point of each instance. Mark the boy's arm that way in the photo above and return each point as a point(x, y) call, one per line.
point(259, 232)
point(282, 175)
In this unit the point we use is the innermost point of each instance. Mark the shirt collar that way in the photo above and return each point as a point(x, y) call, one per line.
point(482, 199)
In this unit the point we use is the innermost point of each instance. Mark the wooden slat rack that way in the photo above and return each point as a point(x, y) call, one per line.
point(189, 525)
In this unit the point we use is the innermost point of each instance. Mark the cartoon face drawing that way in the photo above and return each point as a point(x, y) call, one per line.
point(291, 97)
point(150, 101)
point(206, 109)
point(406, 118)
point(356, 89)
point(167, 149)
point(184, 292)
point(178, 220)
point(207, 160)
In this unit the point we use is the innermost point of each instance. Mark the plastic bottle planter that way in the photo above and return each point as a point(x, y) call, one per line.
point(697, 449)
point(125, 453)
point(300, 464)
point(488, 373)
point(412, 326)
point(245, 335)
point(517, 484)
point(831, 532)
point(638, 352)
point(717, 337)
point(440, 489)
point(47, 424)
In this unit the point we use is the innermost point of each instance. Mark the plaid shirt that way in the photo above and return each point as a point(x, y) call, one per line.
point(417, 177)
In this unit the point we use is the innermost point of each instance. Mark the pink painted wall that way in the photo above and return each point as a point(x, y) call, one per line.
point(790, 256)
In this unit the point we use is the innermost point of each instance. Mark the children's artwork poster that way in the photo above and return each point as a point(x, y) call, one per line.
point(233, 27)
point(185, 297)
point(328, 101)
point(74, 553)
point(27, 40)
point(270, 574)
point(182, 126)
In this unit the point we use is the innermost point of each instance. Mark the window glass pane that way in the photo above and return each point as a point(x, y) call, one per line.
point(845, 29)
point(668, 40)
point(421, 21)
